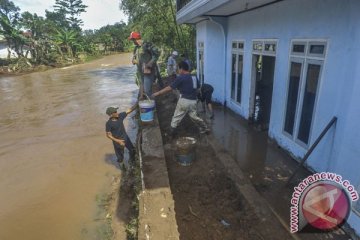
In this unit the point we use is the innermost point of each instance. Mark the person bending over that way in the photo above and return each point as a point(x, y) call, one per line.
point(188, 88)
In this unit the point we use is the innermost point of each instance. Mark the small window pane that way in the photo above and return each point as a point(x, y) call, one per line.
point(317, 49)
point(298, 48)
point(270, 47)
point(233, 76)
point(312, 78)
point(241, 45)
point(234, 45)
point(293, 92)
point(257, 46)
point(201, 66)
point(239, 78)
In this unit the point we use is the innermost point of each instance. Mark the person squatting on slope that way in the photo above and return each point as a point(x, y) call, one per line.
point(205, 95)
point(188, 88)
point(145, 56)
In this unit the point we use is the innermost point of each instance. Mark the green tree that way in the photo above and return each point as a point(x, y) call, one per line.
point(10, 28)
point(40, 43)
point(71, 9)
point(57, 19)
point(68, 40)
point(156, 20)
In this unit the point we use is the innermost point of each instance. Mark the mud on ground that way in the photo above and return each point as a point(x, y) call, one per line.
point(207, 203)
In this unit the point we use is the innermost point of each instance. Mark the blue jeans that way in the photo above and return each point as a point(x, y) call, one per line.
point(147, 83)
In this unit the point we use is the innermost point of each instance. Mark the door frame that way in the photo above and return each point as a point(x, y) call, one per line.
point(258, 49)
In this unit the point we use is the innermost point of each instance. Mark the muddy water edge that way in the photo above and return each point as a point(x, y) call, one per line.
point(56, 165)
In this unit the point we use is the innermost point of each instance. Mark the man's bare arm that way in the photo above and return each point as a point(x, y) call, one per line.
point(119, 141)
point(132, 108)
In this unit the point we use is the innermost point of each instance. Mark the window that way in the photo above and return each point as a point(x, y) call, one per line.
point(306, 62)
point(264, 47)
point(201, 62)
point(236, 70)
point(293, 90)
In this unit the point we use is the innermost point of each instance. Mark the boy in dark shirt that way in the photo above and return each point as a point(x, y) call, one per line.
point(115, 131)
point(205, 96)
point(188, 88)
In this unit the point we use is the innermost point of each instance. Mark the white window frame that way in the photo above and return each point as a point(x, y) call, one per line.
point(237, 51)
point(201, 71)
point(263, 42)
point(261, 52)
point(302, 62)
point(306, 58)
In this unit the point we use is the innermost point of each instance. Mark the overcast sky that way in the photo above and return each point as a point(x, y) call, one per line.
point(98, 13)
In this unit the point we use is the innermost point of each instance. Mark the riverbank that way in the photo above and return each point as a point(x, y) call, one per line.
point(14, 67)
point(61, 164)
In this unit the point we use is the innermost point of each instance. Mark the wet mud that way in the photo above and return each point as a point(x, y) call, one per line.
point(266, 165)
point(207, 204)
point(56, 163)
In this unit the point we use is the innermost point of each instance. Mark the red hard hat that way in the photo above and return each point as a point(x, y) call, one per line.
point(134, 35)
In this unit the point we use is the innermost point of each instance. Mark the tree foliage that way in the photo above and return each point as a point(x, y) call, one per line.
point(156, 21)
point(57, 38)
point(71, 9)
point(9, 28)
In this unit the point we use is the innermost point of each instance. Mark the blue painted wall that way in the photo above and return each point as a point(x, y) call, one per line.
point(335, 21)
point(212, 34)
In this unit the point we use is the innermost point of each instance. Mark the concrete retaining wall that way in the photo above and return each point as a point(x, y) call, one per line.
point(156, 204)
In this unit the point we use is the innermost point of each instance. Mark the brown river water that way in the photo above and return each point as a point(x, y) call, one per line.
point(55, 160)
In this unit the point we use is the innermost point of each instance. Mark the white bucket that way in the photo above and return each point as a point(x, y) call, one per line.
point(147, 110)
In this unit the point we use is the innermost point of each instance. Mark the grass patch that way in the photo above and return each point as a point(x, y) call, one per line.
point(132, 182)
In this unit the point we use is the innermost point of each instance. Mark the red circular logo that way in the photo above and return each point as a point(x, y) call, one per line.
point(325, 206)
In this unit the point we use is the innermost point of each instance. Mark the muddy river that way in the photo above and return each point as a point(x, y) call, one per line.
point(55, 161)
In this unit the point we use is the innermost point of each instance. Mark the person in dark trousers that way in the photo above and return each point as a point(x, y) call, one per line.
point(145, 56)
point(188, 88)
point(205, 96)
point(115, 131)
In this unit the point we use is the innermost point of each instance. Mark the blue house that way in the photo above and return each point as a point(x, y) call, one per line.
point(288, 66)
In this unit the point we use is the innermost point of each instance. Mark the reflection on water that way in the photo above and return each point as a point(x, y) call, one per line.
point(266, 166)
point(53, 151)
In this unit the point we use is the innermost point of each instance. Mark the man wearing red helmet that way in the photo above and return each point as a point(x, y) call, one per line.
point(145, 56)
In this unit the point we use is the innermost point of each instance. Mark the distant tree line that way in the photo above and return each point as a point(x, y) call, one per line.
point(57, 37)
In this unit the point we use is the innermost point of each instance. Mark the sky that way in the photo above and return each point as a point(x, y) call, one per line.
point(98, 13)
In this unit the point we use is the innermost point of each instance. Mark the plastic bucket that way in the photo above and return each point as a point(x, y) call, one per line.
point(185, 150)
point(147, 110)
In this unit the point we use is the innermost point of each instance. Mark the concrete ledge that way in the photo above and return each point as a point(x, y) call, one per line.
point(156, 204)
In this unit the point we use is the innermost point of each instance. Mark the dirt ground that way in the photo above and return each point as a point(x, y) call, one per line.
point(207, 204)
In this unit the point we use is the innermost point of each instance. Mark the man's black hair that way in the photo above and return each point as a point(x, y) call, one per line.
point(184, 66)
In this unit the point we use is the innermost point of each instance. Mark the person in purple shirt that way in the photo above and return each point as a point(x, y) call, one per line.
point(188, 87)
